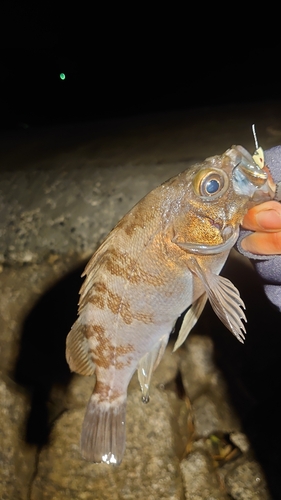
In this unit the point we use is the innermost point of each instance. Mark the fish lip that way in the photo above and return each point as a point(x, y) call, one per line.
point(246, 181)
point(203, 249)
point(248, 178)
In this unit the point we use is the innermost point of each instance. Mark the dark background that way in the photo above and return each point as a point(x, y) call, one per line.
point(122, 61)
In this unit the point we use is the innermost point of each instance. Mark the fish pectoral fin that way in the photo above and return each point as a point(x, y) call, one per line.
point(148, 364)
point(224, 298)
point(191, 319)
point(77, 351)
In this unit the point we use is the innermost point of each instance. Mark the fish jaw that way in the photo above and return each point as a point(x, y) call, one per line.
point(249, 179)
point(198, 248)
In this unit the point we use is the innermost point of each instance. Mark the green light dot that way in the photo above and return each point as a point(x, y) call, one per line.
point(62, 76)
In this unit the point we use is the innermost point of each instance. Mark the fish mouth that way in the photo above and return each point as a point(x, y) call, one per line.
point(249, 179)
point(229, 236)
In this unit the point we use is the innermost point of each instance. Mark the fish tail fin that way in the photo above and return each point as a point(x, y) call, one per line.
point(103, 437)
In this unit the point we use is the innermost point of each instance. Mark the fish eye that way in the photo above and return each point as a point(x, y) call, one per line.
point(210, 182)
point(212, 186)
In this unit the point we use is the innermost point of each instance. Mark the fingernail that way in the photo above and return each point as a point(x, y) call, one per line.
point(245, 246)
point(269, 219)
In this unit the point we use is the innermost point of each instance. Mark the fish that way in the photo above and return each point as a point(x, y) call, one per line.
point(163, 258)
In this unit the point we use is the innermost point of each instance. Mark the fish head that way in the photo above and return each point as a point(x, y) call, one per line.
point(219, 192)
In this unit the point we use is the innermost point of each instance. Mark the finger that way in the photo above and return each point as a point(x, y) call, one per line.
point(266, 217)
point(263, 243)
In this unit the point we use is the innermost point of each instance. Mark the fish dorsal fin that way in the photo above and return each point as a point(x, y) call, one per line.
point(148, 364)
point(224, 298)
point(77, 351)
point(191, 319)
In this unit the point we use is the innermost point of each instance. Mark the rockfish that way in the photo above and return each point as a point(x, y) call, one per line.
point(162, 258)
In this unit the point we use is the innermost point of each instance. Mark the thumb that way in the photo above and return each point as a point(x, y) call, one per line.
point(264, 217)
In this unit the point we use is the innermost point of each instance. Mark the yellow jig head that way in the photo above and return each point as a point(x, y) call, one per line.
point(258, 155)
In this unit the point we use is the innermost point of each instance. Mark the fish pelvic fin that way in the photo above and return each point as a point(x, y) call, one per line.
point(148, 364)
point(77, 351)
point(190, 319)
point(224, 298)
point(103, 437)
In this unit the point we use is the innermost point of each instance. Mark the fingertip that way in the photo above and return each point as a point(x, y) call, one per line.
point(262, 243)
point(266, 217)
point(269, 220)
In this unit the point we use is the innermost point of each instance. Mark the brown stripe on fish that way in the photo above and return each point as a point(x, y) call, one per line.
point(139, 216)
point(120, 306)
point(105, 354)
point(121, 264)
point(105, 392)
point(97, 300)
point(117, 304)
point(128, 316)
point(98, 330)
point(96, 295)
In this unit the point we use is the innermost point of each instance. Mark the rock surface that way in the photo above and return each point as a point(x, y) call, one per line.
point(61, 191)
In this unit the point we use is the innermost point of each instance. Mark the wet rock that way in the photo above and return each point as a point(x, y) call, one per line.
point(240, 440)
point(17, 459)
point(197, 365)
point(245, 480)
point(150, 468)
point(206, 388)
point(200, 478)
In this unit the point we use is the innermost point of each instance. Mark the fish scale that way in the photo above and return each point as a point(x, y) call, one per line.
point(162, 258)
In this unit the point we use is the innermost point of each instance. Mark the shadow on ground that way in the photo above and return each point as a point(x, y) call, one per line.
point(41, 365)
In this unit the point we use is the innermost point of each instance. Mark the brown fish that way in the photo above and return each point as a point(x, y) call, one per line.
point(162, 257)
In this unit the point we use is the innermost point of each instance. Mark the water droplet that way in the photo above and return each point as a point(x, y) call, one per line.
point(145, 399)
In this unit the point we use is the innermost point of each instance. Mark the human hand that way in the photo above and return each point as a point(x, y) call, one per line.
point(265, 221)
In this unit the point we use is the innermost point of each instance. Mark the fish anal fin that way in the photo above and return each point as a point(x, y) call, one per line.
point(224, 298)
point(103, 437)
point(77, 351)
point(148, 364)
point(190, 319)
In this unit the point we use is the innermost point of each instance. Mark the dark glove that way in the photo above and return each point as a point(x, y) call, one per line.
point(268, 266)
